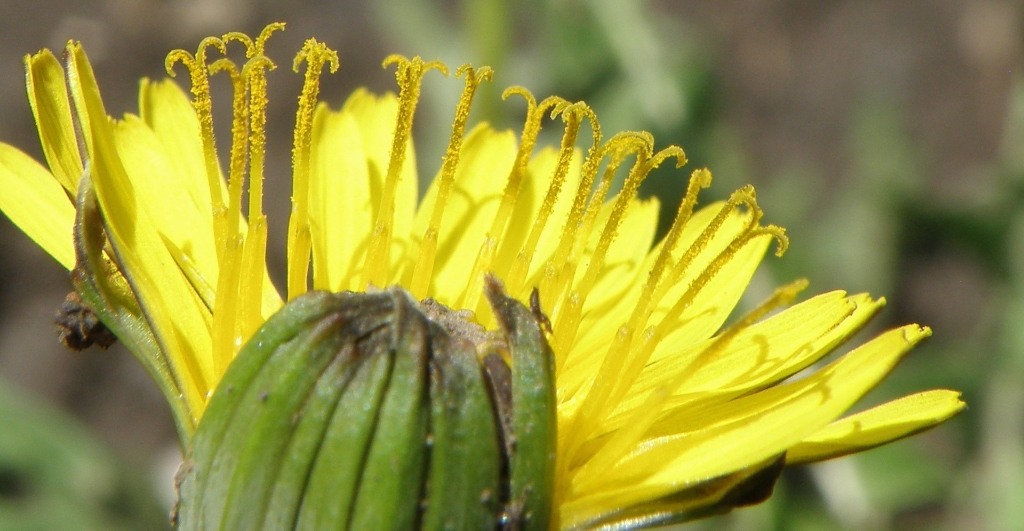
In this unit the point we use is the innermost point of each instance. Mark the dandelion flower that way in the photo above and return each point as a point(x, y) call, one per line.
point(664, 411)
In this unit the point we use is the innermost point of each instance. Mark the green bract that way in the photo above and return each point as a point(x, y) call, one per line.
point(374, 411)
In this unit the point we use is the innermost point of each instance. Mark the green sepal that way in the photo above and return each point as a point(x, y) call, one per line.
point(334, 479)
point(209, 469)
point(106, 292)
point(391, 484)
point(373, 411)
point(465, 458)
point(267, 417)
point(306, 441)
point(534, 420)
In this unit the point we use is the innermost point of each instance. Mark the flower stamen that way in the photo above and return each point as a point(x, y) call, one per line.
point(409, 76)
point(203, 104)
point(554, 275)
point(254, 249)
point(535, 112)
point(316, 55)
point(225, 318)
point(572, 114)
point(570, 317)
point(424, 267)
point(618, 371)
point(251, 273)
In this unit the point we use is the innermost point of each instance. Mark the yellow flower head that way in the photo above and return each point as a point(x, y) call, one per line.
point(661, 405)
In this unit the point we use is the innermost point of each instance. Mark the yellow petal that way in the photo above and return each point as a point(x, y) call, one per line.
point(716, 440)
point(879, 425)
point(168, 113)
point(376, 116)
point(48, 97)
point(163, 192)
point(175, 312)
point(760, 355)
point(770, 350)
point(342, 203)
point(37, 204)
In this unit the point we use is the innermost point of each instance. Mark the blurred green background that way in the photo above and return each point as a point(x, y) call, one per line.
point(888, 137)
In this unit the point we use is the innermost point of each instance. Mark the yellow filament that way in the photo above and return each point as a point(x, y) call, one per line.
point(619, 146)
point(254, 251)
point(227, 305)
point(571, 114)
point(743, 196)
point(254, 73)
point(568, 322)
point(409, 76)
point(572, 248)
point(642, 169)
point(316, 56)
point(568, 312)
point(428, 248)
point(226, 241)
point(528, 139)
point(239, 284)
point(553, 276)
point(570, 316)
point(642, 353)
point(251, 272)
point(239, 141)
point(699, 179)
point(203, 104)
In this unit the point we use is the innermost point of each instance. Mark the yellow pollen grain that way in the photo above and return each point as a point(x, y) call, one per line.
point(316, 56)
point(424, 268)
point(699, 180)
point(409, 76)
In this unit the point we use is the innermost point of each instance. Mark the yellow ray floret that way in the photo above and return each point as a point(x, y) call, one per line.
point(656, 393)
